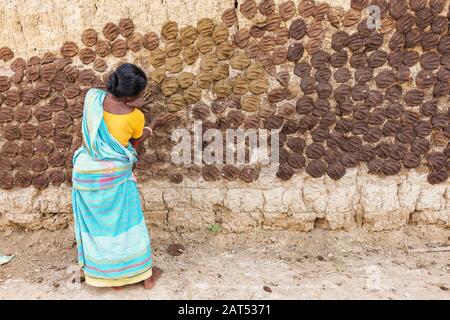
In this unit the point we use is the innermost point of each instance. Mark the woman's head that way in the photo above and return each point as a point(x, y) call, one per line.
point(128, 81)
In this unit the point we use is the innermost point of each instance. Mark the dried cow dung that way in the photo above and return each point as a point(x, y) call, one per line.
point(126, 27)
point(6, 114)
point(363, 74)
point(9, 149)
point(281, 36)
point(297, 29)
point(315, 151)
point(375, 166)
point(242, 37)
point(306, 8)
point(287, 10)
point(425, 79)
point(57, 177)
point(5, 84)
point(11, 132)
point(205, 26)
point(405, 134)
point(273, 122)
point(257, 31)
point(342, 75)
point(397, 41)
point(241, 85)
point(45, 129)
point(28, 131)
point(436, 6)
point(89, 37)
point(285, 172)
point(411, 160)
point(40, 181)
point(236, 118)
point(336, 171)
point(22, 178)
point(308, 85)
point(414, 97)
point(87, 55)
point(351, 17)
point(250, 103)
point(240, 61)
point(43, 89)
point(151, 41)
point(111, 31)
point(258, 86)
point(69, 49)
point(201, 111)
point(430, 60)
point(38, 164)
point(377, 58)
point(296, 160)
point(135, 42)
point(63, 120)
point(229, 17)
point(6, 54)
point(436, 161)
point(230, 172)
point(62, 139)
point(57, 159)
point(86, 77)
point(429, 40)
point(423, 129)
point(43, 147)
point(210, 173)
point(316, 168)
point(252, 122)
point(436, 177)
point(349, 160)
point(12, 97)
point(276, 95)
point(249, 174)
point(332, 155)
point(119, 48)
point(397, 8)
point(5, 164)
point(6, 180)
point(440, 120)
point(391, 167)
point(279, 55)
point(267, 7)
point(385, 79)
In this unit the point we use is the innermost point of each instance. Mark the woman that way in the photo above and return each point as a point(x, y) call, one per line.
point(113, 242)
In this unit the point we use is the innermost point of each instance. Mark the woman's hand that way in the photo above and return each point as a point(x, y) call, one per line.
point(158, 121)
point(162, 120)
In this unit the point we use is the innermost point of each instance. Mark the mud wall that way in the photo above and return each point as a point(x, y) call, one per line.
point(363, 114)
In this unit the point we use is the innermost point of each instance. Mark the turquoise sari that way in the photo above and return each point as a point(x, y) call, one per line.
point(113, 243)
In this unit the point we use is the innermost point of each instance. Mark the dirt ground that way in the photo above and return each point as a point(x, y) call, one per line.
point(262, 265)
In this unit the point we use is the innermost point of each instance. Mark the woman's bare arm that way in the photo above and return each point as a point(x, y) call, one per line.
point(158, 121)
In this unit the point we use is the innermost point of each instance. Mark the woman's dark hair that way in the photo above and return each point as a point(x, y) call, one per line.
point(127, 81)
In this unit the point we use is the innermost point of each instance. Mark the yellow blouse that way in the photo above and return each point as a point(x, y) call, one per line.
point(123, 127)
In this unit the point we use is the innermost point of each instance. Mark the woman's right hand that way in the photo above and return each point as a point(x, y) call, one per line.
point(163, 119)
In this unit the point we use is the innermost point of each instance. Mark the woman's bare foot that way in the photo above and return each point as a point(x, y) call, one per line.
point(117, 288)
point(156, 274)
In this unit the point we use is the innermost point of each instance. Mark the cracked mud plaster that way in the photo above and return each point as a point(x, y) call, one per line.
point(357, 200)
